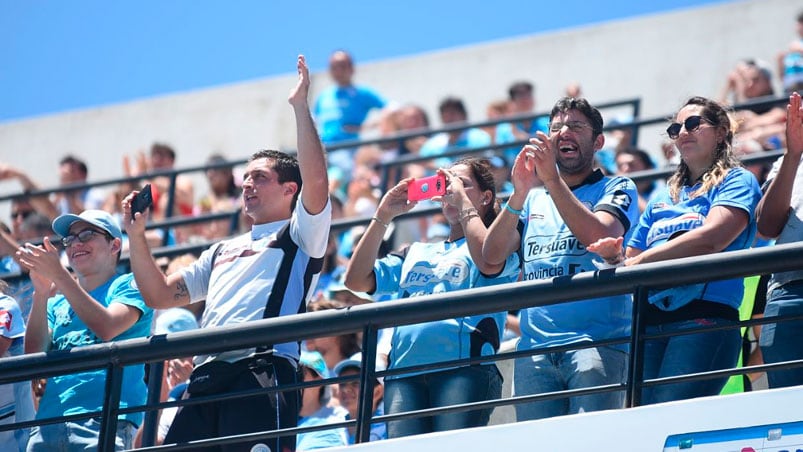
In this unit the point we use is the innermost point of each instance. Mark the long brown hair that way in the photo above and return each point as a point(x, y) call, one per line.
point(716, 115)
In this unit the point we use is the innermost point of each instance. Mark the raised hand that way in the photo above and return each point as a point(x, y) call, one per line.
point(298, 96)
point(395, 202)
point(794, 126)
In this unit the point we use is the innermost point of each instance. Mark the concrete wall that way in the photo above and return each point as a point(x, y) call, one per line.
point(661, 58)
point(647, 428)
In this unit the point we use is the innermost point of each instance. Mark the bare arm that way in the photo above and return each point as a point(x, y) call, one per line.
point(311, 156)
point(360, 272)
point(107, 322)
point(502, 238)
point(586, 225)
point(720, 228)
point(474, 228)
point(773, 209)
point(158, 291)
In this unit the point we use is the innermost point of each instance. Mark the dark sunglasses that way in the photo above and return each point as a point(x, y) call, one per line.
point(21, 213)
point(83, 237)
point(691, 124)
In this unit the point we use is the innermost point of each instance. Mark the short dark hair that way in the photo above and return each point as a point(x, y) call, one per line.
point(285, 165)
point(74, 161)
point(639, 154)
point(582, 105)
point(161, 148)
point(518, 88)
point(452, 103)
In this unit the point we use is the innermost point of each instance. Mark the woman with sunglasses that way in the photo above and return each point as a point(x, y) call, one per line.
point(706, 207)
point(431, 268)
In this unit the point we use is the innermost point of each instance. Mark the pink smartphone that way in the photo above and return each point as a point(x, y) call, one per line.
point(426, 187)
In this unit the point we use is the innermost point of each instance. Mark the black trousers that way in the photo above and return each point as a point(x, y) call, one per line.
point(252, 414)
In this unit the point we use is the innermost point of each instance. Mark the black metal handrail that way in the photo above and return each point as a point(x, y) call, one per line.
point(372, 317)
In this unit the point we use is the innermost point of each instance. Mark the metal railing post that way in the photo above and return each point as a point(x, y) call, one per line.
point(155, 377)
point(635, 371)
point(108, 420)
point(367, 379)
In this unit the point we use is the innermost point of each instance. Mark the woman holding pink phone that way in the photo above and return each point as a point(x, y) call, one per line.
point(469, 203)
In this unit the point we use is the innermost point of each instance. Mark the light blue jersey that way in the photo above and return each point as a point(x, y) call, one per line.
point(431, 268)
point(663, 220)
point(550, 249)
point(340, 111)
point(81, 393)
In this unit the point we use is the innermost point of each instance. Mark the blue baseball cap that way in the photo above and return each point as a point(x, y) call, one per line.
point(314, 361)
point(174, 320)
point(97, 218)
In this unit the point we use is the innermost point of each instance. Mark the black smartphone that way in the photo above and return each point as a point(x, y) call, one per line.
point(142, 201)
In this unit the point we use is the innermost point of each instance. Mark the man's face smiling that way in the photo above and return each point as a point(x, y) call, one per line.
point(91, 255)
point(575, 144)
point(264, 198)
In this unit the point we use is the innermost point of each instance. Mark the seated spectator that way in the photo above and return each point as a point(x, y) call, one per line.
point(161, 158)
point(98, 305)
point(317, 409)
point(16, 399)
point(496, 109)
point(631, 160)
point(341, 109)
point(790, 61)
point(333, 349)
point(349, 394)
point(521, 96)
point(759, 126)
point(452, 112)
point(224, 195)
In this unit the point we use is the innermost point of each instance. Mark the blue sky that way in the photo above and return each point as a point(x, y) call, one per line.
point(64, 55)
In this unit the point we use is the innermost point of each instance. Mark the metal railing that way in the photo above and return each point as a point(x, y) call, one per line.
point(370, 318)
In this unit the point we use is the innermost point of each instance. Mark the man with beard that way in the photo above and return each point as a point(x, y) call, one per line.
point(576, 206)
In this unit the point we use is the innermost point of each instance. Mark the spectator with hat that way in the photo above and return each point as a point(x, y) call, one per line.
point(317, 407)
point(349, 393)
point(97, 305)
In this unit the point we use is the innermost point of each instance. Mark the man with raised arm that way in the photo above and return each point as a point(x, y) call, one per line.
point(267, 272)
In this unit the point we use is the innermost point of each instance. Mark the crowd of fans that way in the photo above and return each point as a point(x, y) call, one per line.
point(570, 207)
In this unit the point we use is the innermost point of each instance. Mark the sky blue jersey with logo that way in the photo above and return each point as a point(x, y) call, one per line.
point(430, 268)
point(550, 249)
point(664, 220)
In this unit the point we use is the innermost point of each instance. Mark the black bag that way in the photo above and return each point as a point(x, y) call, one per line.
point(214, 377)
point(217, 376)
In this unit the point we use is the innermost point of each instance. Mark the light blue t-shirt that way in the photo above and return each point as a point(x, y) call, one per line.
point(792, 69)
point(321, 439)
point(431, 268)
point(550, 249)
point(663, 220)
point(81, 393)
point(338, 107)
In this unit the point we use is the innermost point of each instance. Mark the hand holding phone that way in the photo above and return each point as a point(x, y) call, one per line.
point(426, 187)
point(142, 201)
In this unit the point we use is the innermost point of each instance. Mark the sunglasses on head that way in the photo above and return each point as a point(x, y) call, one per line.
point(83, 237)
point(691, 124)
